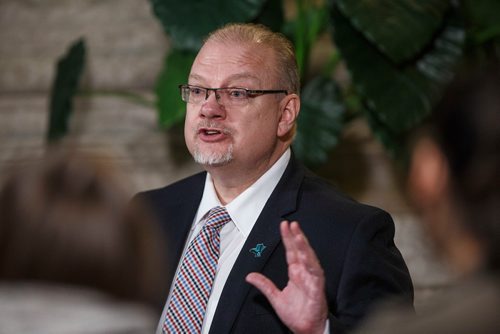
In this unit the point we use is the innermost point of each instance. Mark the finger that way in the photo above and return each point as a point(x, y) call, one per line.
point(305, 253)
point(288, 242)
point(300, 241)
point(264, 285)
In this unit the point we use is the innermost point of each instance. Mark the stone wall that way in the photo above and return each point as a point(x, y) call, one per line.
point(126, 47)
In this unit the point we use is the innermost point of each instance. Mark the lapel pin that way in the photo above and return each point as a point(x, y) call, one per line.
point(257, 250)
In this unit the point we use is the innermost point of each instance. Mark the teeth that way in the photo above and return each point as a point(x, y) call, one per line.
point(212, 132)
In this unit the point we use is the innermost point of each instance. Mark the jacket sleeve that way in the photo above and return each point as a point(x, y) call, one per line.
point(373, 271)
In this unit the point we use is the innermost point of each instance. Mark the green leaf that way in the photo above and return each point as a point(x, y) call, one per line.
point(64, 87)
point(189, 22)
point(320, 120)
point(398, 28)
point(304, 29)
point(401, 96)
point(309, 23)
point(175, 72)
point(483, 13)
point(483, 16)
point(271, 15)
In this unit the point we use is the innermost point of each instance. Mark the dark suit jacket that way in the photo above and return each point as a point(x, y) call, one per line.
point(353, 242)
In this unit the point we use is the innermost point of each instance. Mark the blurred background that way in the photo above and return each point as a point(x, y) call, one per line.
point(103, 74)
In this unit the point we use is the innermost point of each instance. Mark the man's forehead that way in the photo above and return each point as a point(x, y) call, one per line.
point(222, 52)
point(235, 62)
point(235, 77)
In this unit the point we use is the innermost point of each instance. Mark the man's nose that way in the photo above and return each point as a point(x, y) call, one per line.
point(215, 94)
point(211, 107)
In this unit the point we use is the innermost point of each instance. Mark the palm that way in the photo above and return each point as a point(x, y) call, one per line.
point(301, 305)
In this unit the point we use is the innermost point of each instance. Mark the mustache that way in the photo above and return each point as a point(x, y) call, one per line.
point(213, 125)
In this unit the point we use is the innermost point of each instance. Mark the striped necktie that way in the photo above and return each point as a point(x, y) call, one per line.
point(193, 283)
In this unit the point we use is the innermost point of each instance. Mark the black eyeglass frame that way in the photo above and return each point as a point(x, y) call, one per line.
point(249, 92)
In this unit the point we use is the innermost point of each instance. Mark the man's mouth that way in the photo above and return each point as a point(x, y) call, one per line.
point(210, 132)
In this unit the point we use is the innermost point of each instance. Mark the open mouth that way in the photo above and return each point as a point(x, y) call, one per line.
point(210, 132)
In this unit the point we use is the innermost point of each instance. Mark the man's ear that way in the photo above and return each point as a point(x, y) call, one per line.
point(289, 107)
point(428, 179)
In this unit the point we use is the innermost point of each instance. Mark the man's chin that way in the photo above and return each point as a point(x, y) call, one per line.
point(213, 159)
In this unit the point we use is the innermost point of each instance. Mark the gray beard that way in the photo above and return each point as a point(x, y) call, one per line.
point(213, 159)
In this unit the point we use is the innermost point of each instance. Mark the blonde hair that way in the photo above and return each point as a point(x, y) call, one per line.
point(287, 71)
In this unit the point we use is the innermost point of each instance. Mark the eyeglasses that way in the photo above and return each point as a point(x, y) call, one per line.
point(226, 96)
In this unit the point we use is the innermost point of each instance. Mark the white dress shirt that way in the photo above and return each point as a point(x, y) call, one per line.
point(244, 211)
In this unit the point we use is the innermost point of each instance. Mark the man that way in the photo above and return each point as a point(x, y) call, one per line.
point(242, 106)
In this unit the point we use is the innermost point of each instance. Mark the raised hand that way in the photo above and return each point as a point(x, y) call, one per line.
point(301, 305)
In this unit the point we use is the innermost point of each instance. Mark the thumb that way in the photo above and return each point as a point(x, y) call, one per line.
point(264, 285)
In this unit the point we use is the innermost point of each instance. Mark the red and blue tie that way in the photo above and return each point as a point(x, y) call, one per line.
point(193, 283)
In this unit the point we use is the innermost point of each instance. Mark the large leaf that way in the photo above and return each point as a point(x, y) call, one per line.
point(398, 28)
point(401, 96)
point(309, 23)
point(484, 18)
point(64, 87)
point(271, 15)
point(188, 22)
point(320, 120)
point(175, 72)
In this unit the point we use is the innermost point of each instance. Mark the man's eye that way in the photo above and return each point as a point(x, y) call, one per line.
point(196, 91)
point(238, 93)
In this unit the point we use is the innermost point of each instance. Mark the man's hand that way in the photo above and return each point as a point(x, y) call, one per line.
point(301, 305)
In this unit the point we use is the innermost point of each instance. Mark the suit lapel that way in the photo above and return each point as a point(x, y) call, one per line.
point(265, 231)
point(182, 214)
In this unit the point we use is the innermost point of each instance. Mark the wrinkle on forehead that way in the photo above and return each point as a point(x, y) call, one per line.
point(245, 61)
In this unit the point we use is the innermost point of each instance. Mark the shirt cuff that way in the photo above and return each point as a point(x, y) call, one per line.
point(327, 327)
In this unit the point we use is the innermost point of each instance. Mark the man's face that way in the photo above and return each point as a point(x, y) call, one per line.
point(240, 135)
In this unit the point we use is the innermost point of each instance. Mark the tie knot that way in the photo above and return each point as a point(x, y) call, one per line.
point(217, 217)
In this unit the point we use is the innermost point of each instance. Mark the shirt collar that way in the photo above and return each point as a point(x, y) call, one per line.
point(247, 206)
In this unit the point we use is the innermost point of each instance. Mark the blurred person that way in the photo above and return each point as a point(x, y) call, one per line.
point(454, 182)
point(243, 101)
point(74, 256)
